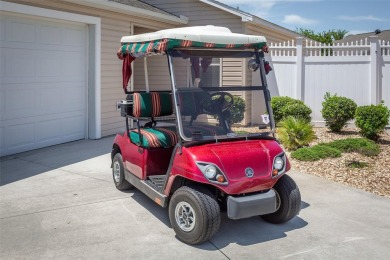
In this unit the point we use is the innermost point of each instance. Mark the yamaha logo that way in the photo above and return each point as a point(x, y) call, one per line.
point(249, 172)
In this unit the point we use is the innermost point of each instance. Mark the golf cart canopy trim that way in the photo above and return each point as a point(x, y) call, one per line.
point(210, 37)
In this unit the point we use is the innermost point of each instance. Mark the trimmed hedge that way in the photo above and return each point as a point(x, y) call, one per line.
point(372, 120)
point(337, 111)
point(283, 107)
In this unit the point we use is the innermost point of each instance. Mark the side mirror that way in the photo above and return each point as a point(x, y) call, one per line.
point(253, 65)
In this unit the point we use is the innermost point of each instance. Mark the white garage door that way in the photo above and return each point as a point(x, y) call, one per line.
point(43, 82)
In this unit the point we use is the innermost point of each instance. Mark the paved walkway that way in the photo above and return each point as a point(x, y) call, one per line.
point(60, 202)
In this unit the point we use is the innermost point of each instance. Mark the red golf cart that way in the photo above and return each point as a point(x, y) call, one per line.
point(181, 148)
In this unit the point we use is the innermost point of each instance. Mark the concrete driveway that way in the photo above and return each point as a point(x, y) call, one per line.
point(60, 202)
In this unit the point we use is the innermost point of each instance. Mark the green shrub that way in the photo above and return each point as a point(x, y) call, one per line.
point(297, 110)
point(335, 148)
point(283, 107)
point(359, 145)
point(372, 120)
point(315, 153)
point(337, 111)
point(295, 132)
point(277, 104)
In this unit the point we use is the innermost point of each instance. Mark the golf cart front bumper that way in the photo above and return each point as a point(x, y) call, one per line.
point(251, 205)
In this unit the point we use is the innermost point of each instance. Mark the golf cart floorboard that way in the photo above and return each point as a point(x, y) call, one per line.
point(157, 182)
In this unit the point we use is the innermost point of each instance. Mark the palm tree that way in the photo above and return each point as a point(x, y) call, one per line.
point(338, 34)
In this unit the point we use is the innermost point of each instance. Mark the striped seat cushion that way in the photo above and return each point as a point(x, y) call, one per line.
point(152, 104)
point(155, 137)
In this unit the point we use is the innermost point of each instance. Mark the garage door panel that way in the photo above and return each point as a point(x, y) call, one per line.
point(18, 63)
point(47, 101)
point(2, 27)
point(49, 34)
point(19, 103)
point(73, 126)
point(2, 137)
point(43, 90)
point(48, 130)
point(73, 36)
point(47, 66)
point(73, 66)
point(19, 135)
point(73, 99)
point(20, 31)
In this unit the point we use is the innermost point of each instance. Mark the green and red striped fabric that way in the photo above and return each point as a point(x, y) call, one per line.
point(154, 137)
point(137, 49)
point(152, 104)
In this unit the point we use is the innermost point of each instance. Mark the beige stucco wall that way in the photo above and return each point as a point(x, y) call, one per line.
point(199, 13)
point(113, 27)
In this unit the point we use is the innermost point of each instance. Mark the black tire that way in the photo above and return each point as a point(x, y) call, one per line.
point(289, 199)
point(202, 209)
point(118, 173)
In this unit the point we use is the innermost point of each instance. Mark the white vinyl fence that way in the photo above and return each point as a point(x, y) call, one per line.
point(305, 70)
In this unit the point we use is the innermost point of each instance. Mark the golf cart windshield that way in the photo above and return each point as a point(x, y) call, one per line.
point(211, 84)
point(210, 96)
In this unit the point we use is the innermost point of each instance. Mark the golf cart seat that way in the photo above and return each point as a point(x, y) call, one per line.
point(151, 105)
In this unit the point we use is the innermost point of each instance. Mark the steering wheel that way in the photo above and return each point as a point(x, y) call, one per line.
point(217, 102)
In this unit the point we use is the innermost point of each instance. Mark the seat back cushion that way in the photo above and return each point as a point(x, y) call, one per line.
point(154, 137)
point(152, 104)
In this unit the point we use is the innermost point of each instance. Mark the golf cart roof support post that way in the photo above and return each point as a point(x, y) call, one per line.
point(176, 99)
point(189, 74)
point(267, 95)
point(146, 73)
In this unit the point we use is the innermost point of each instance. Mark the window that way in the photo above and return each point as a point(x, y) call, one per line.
point(206, 74)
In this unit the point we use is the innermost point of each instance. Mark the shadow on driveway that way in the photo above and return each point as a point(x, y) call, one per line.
point(28, 164)
point(243, 232)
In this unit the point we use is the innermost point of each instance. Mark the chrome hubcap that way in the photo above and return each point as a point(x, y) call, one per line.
point(185, 216)
point(117, 171)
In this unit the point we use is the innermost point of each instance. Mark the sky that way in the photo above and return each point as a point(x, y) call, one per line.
point(320, 15)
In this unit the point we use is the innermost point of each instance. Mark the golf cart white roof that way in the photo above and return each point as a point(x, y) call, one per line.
point(207, 34)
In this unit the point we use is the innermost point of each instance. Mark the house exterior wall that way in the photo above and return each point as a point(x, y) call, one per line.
point(270, 34)
point(199, 13)
point(113, 27)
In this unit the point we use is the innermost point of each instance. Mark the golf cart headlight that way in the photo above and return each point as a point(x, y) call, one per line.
point(278, 163)
point(210, 172)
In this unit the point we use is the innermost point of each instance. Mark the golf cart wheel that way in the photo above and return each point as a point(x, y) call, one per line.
point(118, 173)
point(288, 200)
point(194, 216)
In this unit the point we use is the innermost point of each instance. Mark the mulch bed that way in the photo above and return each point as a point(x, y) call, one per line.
point(374, 177)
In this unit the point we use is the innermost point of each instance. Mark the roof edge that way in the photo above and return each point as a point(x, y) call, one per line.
point(244, 17)
point(136, 11)
point(276, 27)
